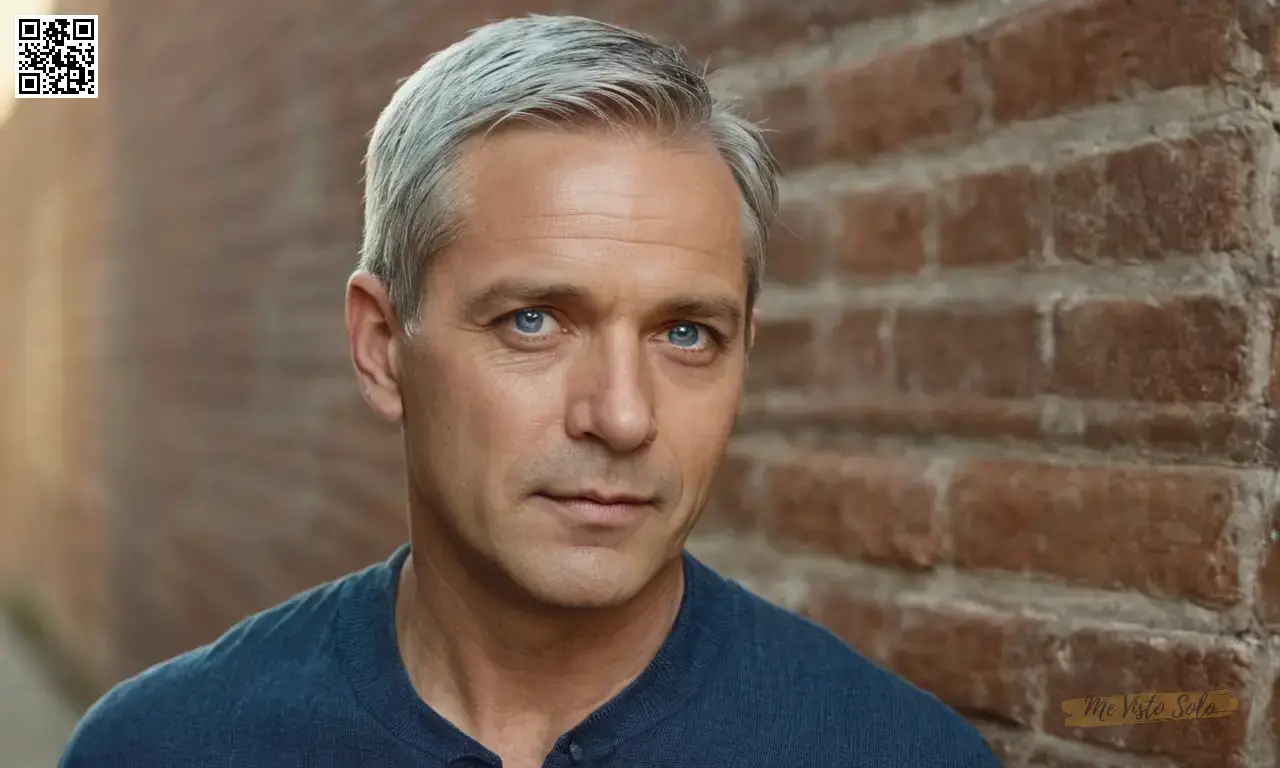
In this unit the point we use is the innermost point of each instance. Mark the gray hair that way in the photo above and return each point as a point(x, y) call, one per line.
point(543, 70)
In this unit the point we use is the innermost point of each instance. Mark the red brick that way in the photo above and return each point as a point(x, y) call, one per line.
point(887, 413)
point(968, 350)
point(1164, 533)
point(725, 34)
point(1269, 574)
point(855, 354)
point(210, 590)
point(734, 500)
point(1271, 52)
point(799, 243)
point(1275, 715)
point(352, 458)
point(865, 507)
point(869, 625)
point(1185, 350)
point(1198, 433)
point(1258, 20)
point(1067, 55)
point(883, 233)
point(1273, 388)
point(1275, 198)
point(789, 117)
point(986, 667)
point(993, 218)
point(782, 355)
point(958, 416)
point(1158, 199)
point(899, 99)
point(760, 26)
point(993, 662)
point(1096, 663)
point(667, 20)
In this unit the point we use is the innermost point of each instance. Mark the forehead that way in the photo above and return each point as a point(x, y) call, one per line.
point(600, 209)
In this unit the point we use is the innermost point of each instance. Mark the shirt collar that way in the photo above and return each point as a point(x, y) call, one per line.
point(370, 654)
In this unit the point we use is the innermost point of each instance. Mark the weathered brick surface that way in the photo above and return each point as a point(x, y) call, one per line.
point(788, 354)
point(1164, 533)
point(1273, 389)
point(1066, 55)
point(790, 115)
point(736, 504)
point(855, 355)
point(759, 26)
point(1212, 434)
point(902, 98)
point(1269, 576)
point(1023, 353)
point(884, 233)
point(968, 349)
point(1188, 350)
point(1275, 713)
point(1158, 199)
point(991, 218)
point(1090, 661)
point(986, 666)
point(800, 247)
point(866, 507)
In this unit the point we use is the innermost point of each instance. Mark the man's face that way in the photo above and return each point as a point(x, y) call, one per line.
point(569, 395)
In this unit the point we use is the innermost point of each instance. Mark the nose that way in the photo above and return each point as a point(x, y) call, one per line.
point(611, 395)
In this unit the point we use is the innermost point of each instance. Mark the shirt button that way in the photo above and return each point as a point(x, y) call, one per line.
point(575, 751)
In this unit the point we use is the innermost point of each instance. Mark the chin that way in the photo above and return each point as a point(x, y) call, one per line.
point(585, 577)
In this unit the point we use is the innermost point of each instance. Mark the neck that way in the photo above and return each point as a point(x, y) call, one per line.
point(512, 672)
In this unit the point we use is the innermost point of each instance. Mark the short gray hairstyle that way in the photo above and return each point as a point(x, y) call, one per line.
point(545, 70)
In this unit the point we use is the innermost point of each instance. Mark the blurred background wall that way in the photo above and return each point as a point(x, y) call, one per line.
point(1011, 423)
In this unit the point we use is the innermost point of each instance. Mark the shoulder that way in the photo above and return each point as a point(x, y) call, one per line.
point(184, 704)
point(842, 697)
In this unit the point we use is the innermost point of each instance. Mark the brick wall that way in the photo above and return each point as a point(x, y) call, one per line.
point(1010, 427)
point(51, 208)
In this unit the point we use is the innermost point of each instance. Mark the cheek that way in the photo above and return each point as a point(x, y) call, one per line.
point(697, 430)
point(519, 408)
point(495, 420)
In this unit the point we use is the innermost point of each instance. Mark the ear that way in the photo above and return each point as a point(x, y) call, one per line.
point(751, 330)
point(374, 337)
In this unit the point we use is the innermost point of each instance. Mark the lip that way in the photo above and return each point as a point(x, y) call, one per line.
point(601, 509)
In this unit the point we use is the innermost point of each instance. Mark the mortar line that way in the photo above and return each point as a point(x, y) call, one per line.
point(1014, 449)
point(1161, 116)
point(1258, 746)
point(1058, 608)
point(861, 42)
point(1008, 449)
point(1176, 276)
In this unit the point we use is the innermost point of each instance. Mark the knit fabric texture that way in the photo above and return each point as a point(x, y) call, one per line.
point(318, 681)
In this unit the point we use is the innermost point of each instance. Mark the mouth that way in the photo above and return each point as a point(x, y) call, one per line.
point(601, 509)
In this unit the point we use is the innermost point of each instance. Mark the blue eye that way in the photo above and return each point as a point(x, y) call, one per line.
point(685, 335)
point(529, 320)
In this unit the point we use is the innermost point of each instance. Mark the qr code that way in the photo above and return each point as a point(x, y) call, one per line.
point(57, 57)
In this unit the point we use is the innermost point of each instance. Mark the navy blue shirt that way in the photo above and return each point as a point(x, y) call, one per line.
point(318, 682)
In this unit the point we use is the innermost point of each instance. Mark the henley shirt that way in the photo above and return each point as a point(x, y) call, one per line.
point(318, 681)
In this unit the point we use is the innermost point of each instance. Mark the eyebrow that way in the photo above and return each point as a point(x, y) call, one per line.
point(694, 307)
point(716, 307)
point(524, 291)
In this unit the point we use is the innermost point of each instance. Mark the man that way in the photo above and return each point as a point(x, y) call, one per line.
point(564, 237)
